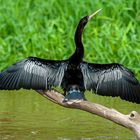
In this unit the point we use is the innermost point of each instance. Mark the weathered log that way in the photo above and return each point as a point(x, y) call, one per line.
point(130, 121)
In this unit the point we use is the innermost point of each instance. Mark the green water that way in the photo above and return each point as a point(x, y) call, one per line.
point(25, 115)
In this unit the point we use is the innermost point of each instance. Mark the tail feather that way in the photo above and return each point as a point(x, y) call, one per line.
point(73, 95)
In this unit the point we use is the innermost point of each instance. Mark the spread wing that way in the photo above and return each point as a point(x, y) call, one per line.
point(33, 73)
point(111, 80)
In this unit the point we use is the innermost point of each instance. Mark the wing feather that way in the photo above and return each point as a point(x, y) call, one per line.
point(111, 80)
point(33, 73)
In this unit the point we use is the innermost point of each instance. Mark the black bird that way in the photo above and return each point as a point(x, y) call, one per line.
point(73, 75)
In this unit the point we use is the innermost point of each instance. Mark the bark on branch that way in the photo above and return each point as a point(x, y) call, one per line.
point(130, 121)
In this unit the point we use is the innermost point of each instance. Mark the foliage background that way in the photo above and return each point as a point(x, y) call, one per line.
point(45, 28)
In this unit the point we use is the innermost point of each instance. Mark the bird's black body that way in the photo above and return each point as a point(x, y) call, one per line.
point(73, 75)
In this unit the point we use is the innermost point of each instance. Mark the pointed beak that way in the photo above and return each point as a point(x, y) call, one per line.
point(92, 15)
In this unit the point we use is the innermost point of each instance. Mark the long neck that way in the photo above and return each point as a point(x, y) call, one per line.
point(79, 52)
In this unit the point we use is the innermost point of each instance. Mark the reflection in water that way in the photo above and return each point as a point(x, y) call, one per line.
point(25, 115)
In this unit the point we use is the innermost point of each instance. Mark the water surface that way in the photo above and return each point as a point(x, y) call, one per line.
point(25, 115)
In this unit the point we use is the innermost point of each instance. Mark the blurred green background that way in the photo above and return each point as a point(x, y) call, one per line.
point(45, 28)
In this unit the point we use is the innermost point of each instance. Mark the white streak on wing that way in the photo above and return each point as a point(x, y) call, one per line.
point(60, 74)
point(86, 75)
point(51, 75)
point(28, 67)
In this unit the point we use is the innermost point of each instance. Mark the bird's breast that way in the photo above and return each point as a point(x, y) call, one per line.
point(73, 76)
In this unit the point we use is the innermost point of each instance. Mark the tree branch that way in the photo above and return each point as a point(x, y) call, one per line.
point(130, 121)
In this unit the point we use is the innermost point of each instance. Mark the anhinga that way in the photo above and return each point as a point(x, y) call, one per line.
point(73, 75)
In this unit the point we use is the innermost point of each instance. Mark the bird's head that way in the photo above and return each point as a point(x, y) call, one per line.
point(85, 19)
